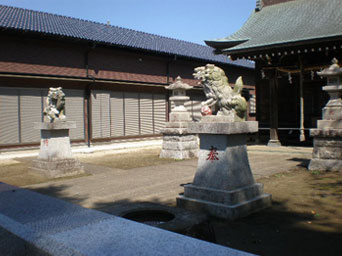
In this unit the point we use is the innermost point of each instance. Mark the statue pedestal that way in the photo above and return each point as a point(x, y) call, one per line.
point(178, 143)
point(327, 151)
point(55, 156)
point(223, 185)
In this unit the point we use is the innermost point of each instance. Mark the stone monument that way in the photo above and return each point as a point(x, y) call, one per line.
point(327, 152)
point(55, 156)
point(223, 185)
point(178, 143)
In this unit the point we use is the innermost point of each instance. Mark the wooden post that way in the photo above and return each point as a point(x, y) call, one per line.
point(273, 107)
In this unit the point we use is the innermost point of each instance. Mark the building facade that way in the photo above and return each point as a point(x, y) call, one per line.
point(289, 40)
point(113, 78)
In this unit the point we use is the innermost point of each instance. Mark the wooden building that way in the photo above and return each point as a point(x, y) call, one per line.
point(113, 77)
point(289, 40)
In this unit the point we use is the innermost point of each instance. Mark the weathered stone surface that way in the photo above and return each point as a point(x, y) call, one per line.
point(332, 113)
point(274, 143)
point(55, 156)
point(224, 185)
point(56, 168)
point(326, 133)
point(180, 117)
point(325, 165)
point(57, 125)
point(231, 212)
point(327, 152)
point(36, 224)
point(180, 145)
point(228, 197)
point(327, 142)
point(329, 124)
point(176, 154)
point(181, 138)
point(175, 131)
point(176, 125)
point(223, 128)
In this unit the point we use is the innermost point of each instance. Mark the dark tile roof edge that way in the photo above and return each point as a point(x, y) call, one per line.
point(207, 52)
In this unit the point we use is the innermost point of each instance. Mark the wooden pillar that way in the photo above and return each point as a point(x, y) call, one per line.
point(301, 85)
point(273, 108)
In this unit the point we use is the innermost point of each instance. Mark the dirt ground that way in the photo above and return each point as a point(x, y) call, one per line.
point(305, 218)
point(16, 171)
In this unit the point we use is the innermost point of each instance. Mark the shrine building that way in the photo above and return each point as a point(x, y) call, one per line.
point(290, 41)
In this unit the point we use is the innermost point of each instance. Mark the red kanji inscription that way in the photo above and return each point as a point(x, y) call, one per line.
point(212, 156)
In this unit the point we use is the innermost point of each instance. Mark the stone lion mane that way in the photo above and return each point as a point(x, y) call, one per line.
point(218, 92)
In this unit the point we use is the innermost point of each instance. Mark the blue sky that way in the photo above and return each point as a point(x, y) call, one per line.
point(189, 20)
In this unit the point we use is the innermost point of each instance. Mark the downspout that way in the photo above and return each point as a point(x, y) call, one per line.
point(88, 93)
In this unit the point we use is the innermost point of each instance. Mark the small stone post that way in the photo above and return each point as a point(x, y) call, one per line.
point(55, 156)
point(178, 143)
point(327, 151)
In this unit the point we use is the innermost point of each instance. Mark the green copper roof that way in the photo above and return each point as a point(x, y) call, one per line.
point(290, 22)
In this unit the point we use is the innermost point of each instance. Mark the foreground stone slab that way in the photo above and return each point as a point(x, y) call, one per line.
point(55, 156)
point(223, 185)
point(35, 224)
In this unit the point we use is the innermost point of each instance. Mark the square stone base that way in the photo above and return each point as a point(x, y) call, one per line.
point(325, 165)
point(56, 168)
point(229, 205)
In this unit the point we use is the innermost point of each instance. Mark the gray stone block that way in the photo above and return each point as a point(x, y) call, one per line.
point(185, 145)
point(326, 133)
point(57, 125)
point(332, 124)
point(325, 165)
point(332, 113)
point(223, 128)
point(56, 168)
point(224, 196)
point(230, 212)
point(231, 169)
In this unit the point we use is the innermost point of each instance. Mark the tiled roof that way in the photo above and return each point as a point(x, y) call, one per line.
point(296, 21)
point(12, 18)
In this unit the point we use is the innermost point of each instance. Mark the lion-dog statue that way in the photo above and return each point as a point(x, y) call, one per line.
point(218, 92)
point(55, 102)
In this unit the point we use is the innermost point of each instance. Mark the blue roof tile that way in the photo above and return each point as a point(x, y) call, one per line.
point(51, 24)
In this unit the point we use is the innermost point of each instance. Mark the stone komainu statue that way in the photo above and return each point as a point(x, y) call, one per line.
point(218, 92)
point(55, 102)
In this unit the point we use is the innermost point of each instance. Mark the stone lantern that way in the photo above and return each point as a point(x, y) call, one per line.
point(179, 112)
point(327, 152)
point(178, 143)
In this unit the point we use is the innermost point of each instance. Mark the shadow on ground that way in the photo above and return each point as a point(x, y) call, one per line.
point(305, 219)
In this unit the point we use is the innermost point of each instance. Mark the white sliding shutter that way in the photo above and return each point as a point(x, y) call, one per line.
point(100, 112)
point(117, 114)
point(31, 105)
point(74, 111)
point(159, 108)
point(9, 119)
point(146, 113)
point(131, 114)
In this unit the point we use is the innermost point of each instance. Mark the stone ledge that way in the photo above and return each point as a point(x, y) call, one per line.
point(223, 128)
point(58, 125)
point(326, 132)
point(325, 165)
point(56, 168)
point(230, 212)
point(226, 197)
point(42, 225)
